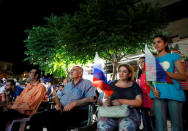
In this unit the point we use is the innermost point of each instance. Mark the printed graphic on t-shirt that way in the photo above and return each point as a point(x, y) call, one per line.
point(165, 65)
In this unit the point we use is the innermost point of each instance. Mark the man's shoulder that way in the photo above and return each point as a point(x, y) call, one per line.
point(86, 81)
point(41, 86)
point(87, 85)
point(83, 81)
point(68, 84)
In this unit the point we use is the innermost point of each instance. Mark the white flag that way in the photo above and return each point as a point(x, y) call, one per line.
point(150, 64)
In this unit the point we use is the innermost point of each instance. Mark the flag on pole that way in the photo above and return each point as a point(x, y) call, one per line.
point(154, 71)
point(99, 77)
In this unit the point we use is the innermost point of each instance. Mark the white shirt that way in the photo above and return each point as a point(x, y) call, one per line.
point(2, 88)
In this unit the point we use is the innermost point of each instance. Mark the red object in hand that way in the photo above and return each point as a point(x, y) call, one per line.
point(0, 97)
point(46, 96)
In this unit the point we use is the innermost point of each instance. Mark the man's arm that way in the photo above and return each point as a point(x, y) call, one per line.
point(85, 101)
point(58, 104)
point(80, 102)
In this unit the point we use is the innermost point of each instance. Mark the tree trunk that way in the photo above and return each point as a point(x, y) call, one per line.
point(115, 64)
point(68, 74)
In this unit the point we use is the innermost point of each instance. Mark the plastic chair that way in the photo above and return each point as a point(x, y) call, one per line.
point(43, 107)
point(22, 124)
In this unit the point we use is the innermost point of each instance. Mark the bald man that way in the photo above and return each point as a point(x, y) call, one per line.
point(71, 105)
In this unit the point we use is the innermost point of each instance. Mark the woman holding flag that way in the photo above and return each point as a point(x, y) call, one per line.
point(168, 95)
point(125, 91)
point(147, 102)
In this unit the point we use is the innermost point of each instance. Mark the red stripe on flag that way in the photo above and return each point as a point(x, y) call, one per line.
point(169, 80)
point(103, 86)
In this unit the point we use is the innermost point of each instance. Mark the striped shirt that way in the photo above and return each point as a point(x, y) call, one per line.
point(184, 84)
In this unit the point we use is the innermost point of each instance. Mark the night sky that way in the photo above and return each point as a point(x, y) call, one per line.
point(16, 16)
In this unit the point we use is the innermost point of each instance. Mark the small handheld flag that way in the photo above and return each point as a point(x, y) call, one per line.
point(99, 78)
point(154, 71)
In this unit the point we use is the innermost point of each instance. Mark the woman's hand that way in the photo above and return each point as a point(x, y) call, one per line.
point(107, 102)
point(155, 92)
point(116, 103)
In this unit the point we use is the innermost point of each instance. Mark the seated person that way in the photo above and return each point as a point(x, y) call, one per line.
point(16, 81)
point(71, 105)
point(4, 81)
point(126, 91)
point(27, 103)
point(14, 90)
point(50, 91)
point(65, 81)
point(2, 86)
point(60, 89)
point(6, 95)
point(1, 83)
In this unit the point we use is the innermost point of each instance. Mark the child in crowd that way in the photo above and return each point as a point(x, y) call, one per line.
point(147, 101)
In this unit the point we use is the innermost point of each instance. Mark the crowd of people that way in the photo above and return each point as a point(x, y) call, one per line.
point(11, 88)
point(149, 102)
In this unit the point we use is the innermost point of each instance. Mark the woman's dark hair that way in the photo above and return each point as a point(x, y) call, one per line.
point(130, 69)
point(139, 71)
point(165, 41)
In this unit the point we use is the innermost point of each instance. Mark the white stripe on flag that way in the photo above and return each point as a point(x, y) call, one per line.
point(150, 65)
point(98, 62)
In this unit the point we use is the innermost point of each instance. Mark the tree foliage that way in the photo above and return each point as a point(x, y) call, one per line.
point(45, 47)
point(113, 28)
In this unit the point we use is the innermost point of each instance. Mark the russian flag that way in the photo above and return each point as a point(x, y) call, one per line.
point(154, 71)
point(99, 77)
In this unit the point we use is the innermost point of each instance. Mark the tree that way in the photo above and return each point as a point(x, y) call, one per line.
point(113, 28)
point(46, 48)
